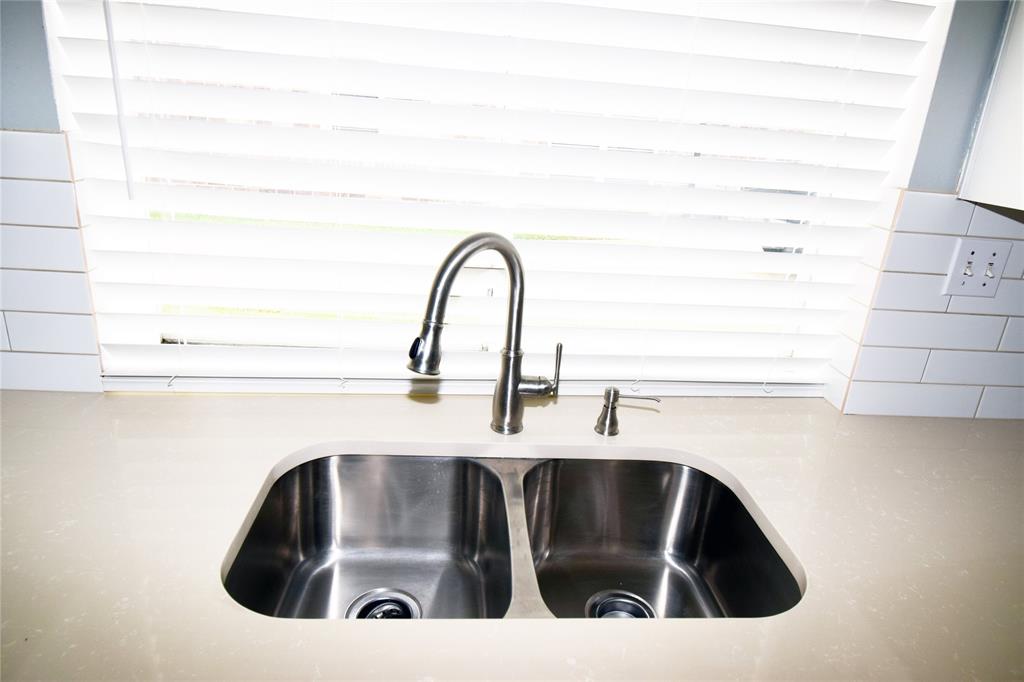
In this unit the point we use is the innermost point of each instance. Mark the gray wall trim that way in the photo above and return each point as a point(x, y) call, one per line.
point(26, 87)
point(968, 61)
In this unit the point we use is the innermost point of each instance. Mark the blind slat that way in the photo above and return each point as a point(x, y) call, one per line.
point(220, 361)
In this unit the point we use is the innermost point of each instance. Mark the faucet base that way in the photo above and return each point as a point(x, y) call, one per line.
point(505, 430)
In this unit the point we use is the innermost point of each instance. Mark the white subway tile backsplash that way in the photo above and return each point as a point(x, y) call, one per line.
point(901, 291)
point(926, 212)
point(929, 354)
point(41, 248)
point(50, 372)
point(933, 330)
point(999, 402)
point(972, 367)
point(844, 355)
point(40, 156)
point(986, 223)
point(52, 332)
point(876, 241)
point(912, 400)
point(49, 292)
point(1015, 263)
point(835, 383)
point(38, 202)
point(1009, 300)
point(890, 364)
point(854, 319)
point(5, 343)
point(1013, 337)
point(920, 253)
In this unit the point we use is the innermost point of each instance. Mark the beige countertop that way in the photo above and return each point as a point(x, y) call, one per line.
point(118, 511)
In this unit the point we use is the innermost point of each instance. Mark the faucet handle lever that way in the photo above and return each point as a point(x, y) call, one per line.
point(558, 368)
point(542, 386)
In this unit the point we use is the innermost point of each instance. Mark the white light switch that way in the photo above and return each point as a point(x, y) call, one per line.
point(977, 267)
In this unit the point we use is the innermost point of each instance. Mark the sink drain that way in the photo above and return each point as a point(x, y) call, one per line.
point(382, 603)
point(618, 604)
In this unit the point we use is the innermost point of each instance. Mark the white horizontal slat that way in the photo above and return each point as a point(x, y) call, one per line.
point(875, 17)
point(299, 240)
point(491, 311)
point(94, 95)
point(385, 334)
point(418, 123)
point(473, 287)
point(97, 156)
point(220, 361)
point(385, 277)
point(435, 57)
point(295, 182)
point(427, 248)
point(707, 32)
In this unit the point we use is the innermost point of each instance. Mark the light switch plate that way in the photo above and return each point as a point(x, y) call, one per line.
point(977, 267)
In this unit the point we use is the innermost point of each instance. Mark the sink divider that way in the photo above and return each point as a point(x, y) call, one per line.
point(527, 601)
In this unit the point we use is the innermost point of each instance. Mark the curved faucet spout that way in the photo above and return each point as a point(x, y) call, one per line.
point(425, 353)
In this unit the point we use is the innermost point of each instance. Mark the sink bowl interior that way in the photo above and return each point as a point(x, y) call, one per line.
point(619, 538)
point(430, 533)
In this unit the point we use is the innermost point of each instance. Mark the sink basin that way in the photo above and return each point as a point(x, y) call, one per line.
point(359, 536)
point(628, 539)
point(434, 531)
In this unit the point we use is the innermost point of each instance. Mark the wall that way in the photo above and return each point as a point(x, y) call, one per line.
point(995, 172)
point(47, 333)
point(968, 61)
point(926, 354)
point(27, 102)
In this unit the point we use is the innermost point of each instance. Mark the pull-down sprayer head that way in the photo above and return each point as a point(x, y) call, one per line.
point(425, 352)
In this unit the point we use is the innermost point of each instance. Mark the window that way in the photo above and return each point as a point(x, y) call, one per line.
point(267, 188)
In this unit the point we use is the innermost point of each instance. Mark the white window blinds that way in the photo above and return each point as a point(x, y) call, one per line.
point(692, 185)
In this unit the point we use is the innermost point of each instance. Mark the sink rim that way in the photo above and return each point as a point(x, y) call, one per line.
point(491, 454)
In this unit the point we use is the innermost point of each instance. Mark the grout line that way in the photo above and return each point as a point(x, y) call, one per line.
point(50, 352)
point(7, 330)
point(943, 313)
point(931, 383)
point(61, 227)
point(1003, 335)
point(956, 350)
point(60, 272)
point(956, 235)
point(34, 131)
point(47, 312)
point(980, 397)
point(924, 369)
point(20, 179)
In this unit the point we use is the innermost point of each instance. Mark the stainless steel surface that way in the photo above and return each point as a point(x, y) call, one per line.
point(608, 421)
point(672, 535)
point(335, 528)
point(511, 385)
point(379, 537)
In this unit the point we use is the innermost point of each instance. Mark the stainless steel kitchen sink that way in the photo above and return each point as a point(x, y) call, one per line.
point(364, 536)
point(401, 535)
point(617, 538)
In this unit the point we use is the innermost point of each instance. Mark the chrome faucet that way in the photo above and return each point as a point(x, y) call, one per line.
point(425, 353)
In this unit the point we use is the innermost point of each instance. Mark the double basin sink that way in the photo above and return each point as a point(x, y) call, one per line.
point(380, 536)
